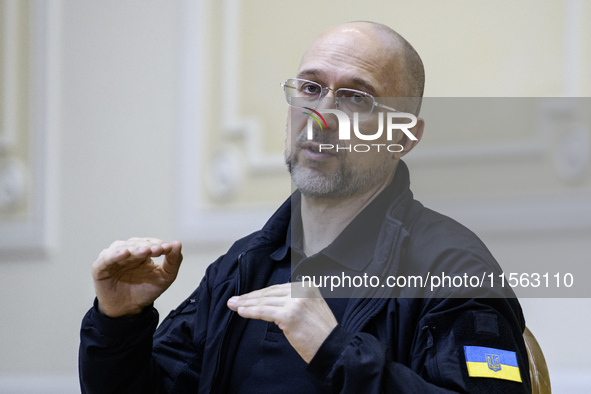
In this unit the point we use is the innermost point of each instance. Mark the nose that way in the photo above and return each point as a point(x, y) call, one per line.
point(328, 103)
point(328, 100)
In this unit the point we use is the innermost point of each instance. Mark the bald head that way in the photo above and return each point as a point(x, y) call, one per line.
point(413, 65)
point(376, 52)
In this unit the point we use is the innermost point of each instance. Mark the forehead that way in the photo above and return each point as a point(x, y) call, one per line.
point(355, 57)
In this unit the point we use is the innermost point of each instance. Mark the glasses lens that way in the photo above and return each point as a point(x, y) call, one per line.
point(301, 93)
point(354, 101)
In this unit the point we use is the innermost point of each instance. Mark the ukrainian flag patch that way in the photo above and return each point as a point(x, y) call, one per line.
point(488, 362)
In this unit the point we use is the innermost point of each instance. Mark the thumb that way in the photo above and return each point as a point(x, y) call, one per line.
point(172, 260)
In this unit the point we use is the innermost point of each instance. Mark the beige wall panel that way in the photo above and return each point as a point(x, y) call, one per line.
point(16, 165)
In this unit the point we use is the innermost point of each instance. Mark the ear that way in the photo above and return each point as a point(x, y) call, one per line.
point(406, 142)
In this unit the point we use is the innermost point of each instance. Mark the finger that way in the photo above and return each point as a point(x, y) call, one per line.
point(134, 245)
point(266, 313)
point(107, 259)
point(144, 240)
point(271, 291)
point(122, 255)
point(237, 302)
point(136, 248)
point(142, 252)
point(160, 249)
point(156, 246)
point(173, 258)
point(149, 242)
point(111, 256)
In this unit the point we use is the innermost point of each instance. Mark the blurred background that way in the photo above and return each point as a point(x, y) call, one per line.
point(166, 119)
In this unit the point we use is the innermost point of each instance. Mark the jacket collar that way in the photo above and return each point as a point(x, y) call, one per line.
point(354, 247)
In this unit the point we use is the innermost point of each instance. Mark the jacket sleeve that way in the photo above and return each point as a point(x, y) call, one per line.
point(361, 363)
point(115, 354)
point(128, 355)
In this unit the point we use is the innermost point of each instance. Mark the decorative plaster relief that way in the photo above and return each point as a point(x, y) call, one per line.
point(27, 107)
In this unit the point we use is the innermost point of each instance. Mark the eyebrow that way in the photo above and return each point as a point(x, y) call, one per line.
point(365, 85)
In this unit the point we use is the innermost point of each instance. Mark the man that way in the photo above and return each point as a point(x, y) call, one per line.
point(242, 330)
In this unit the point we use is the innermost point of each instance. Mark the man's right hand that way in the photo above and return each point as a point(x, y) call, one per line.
point(126, 279)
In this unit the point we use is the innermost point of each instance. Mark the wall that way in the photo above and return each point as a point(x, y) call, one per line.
point(152, 108)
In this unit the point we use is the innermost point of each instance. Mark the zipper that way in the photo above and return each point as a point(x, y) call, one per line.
point(354, 323)
point(232, 314)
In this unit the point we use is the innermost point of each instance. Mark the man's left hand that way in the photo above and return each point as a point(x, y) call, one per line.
point(306, 321)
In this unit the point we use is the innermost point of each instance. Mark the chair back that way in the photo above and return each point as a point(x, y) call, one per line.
point(538, 370)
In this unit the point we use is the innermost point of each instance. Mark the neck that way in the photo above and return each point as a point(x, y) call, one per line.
point(323, 219)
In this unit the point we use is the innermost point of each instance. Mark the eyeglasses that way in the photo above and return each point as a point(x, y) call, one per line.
point(302, 93)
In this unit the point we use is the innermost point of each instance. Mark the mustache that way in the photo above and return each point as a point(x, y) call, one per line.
point(320, 137)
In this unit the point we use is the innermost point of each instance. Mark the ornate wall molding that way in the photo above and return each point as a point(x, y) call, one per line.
point(26, 194)
point(196, 223)
point(250, 158)
point(10, 25)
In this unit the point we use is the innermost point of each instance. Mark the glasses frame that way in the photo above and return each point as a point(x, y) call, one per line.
point(324, 91)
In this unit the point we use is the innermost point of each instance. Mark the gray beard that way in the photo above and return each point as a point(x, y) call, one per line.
point(345, 182)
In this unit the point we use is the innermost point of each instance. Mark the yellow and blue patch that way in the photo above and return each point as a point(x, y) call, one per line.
point(488, 362)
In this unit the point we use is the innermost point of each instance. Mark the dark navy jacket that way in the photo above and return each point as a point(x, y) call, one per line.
point(382, 345)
